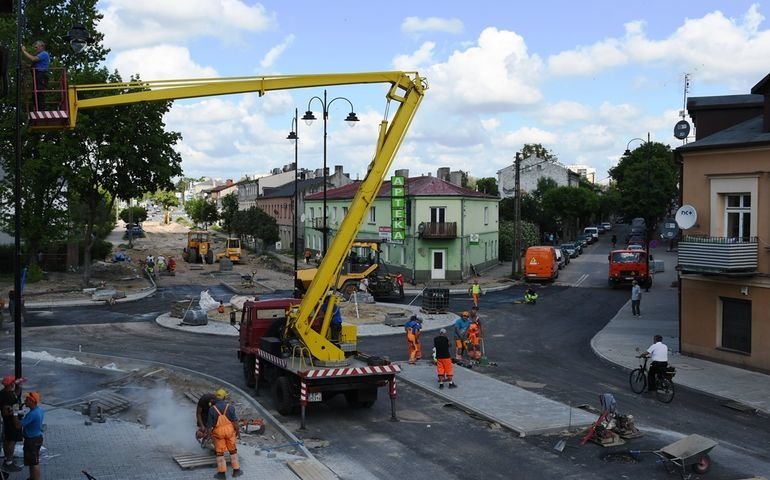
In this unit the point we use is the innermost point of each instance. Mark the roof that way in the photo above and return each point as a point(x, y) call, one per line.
point(744, 134)
point(287, 190)
point(724, 101)
point(415, 187)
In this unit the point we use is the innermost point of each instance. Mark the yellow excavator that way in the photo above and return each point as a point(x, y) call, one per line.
point(287, 343)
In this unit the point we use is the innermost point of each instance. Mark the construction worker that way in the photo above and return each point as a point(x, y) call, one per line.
point(222, 422)
point(202, 414)
point(9, 399)
point(444, 368)
point(475, 292)
point(461, 334)
point(413, 328)
point(307, 256)
point(530, 297)
point(474, 341)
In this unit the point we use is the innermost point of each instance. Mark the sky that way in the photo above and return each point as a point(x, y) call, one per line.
point(584, 79)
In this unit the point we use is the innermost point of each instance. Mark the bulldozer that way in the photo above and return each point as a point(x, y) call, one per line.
point(232, 250)
point(198, 249)
point(363, 261)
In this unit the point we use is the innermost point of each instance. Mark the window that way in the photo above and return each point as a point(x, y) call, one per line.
point(486, 215)
point(738, 216)
point(344, 211)
point(312, 213)
point(437, 214)
point(334, 214)
point(736, 324)
point(372, 215)
point(403, 255)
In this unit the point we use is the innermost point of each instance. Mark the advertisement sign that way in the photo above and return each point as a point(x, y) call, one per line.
point(397, 209)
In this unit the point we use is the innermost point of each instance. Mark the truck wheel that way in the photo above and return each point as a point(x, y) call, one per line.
point(364, 398)
point(703, 465)
point(284, 401)
point(249, 362)
point(210, 257)
point(192, 255)
point(348, 289)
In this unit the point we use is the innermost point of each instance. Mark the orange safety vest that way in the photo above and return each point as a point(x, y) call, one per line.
point(473, 333)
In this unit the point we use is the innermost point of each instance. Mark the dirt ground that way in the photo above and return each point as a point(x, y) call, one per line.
point(168, 240)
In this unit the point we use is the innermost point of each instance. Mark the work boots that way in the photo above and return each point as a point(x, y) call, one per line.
point(220, 476)
point(237, 472)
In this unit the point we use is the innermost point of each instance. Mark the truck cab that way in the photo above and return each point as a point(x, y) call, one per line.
point(625, 266)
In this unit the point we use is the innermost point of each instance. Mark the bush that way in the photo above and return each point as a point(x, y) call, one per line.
point(101, 250)
point(34, 274)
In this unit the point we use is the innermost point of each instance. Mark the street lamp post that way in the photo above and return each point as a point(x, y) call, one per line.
point(293, 137)
point(516, 258)
point(308, 117)
point(647, 145)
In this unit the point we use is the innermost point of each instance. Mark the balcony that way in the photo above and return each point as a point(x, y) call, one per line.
point(718, 255)
point(439, 230)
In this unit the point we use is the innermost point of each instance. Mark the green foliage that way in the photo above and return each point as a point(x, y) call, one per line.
point(133, 214)
point(529, 237)
point(537, 150)
point(201, 211)
point(647, 181)
point(101, 249)
point(165, 198)
point(34, 273)
point(488, 185)
point(229, 208)
point(256, 223)
point(569, 207)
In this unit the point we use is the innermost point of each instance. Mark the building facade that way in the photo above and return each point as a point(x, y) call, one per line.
point(723, 255)
point(531, 170)
point(450, 230)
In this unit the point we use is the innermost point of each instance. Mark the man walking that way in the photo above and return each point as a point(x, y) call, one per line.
point(222, 423)
point(636, 298)
point(476, 292)
point(444, 367)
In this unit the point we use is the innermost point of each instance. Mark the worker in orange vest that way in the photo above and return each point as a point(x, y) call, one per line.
point(222, 422)
point(413, 328)
point(307, 256)
point(474, 341)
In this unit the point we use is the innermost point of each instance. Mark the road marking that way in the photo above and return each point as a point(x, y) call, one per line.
point(580, 280)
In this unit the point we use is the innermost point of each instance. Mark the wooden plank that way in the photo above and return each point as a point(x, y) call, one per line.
point(311, 470)
point(190, 460)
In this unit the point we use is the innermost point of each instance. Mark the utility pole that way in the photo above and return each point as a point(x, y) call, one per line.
point(516, 264)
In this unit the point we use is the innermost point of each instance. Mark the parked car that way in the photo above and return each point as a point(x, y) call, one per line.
point(607, 226)
point(135, 230)
point(540, 263)
point(635, 246)
point(593, 232)
point(560, 258)
point(565, 253)
point(581, 243)
point(570, 248)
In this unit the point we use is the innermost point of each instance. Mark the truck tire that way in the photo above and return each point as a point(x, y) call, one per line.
point(282, 396)
point(348, 289)
point(192, 255)
point(210, 257)
point(249, 362)
point(363, 398)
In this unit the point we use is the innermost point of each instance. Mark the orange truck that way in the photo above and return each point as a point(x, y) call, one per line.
point(540, 263)
point(627, 266)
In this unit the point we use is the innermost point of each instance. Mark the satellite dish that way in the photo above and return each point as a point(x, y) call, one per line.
point(681, 129)
point(686, 216)
point(302, 217)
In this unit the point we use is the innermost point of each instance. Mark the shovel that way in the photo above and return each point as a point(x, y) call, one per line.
point(559, 447)
point(483, 360)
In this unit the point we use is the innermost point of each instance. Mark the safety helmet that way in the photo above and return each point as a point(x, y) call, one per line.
point(8, 380)
point(466, 314)
point(221, 393)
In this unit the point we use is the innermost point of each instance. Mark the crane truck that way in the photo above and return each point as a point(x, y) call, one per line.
point(287, 344)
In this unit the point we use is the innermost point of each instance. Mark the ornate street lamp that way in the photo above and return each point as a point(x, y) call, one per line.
point(308, 117)
point(293, 137)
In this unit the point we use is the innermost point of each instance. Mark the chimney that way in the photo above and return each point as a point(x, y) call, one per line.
point(403, 172)
point(456, 178)
point(319, 172)
point(338, 170)
point(443, 173)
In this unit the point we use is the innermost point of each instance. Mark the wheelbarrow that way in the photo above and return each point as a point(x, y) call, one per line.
point(691, 451)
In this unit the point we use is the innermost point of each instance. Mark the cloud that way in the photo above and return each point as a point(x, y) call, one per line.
point(415, 25)
point(269, 59)
point(497, 74)
point(139, 23)
point(160, 62)
point(415, 61)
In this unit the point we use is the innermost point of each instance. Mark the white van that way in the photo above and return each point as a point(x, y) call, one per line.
point(593, 231)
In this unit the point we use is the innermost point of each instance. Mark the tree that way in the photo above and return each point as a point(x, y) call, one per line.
point(257, 224)
point(229, 208)
point(647, 180)
point(488, 185)
point(166, 199)
point(133, 214)
point(537, 150)
point(202, 211)
point(569, 207)
point(183, 184)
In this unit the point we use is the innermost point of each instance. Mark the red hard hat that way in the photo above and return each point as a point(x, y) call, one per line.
point(8, 380)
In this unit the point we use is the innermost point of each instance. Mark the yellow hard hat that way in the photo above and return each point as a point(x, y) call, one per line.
point(221, 393)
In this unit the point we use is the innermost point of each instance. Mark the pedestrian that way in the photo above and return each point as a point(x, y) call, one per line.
point(614, 240)
point(202, 413)
point(40, 62)
point(636, 298)
point(461, 334)
point(658, 354)
point(475, 292)
point(222, 422)
point(9, 399)
point(413, 328)
point(31, 426)
point(307, 256)
point(444, 367)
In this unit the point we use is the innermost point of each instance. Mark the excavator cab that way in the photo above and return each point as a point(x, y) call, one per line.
point(45, 99)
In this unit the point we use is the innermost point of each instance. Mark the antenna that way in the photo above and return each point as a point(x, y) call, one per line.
point(686, 90)
point(682, 128)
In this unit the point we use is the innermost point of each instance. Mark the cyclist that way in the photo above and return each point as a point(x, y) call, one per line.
point(658, 353)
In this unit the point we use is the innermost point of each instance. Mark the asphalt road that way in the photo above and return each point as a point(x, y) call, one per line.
point(543, 347)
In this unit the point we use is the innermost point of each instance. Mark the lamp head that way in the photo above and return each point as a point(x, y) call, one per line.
point(351, 119)
point(308, 117)
point(78, 37)
point(627, 153)
point(292, 137)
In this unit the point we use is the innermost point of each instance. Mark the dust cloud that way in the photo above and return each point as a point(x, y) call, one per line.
point(174, 418)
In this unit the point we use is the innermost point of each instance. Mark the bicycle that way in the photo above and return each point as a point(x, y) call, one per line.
point(664, 390)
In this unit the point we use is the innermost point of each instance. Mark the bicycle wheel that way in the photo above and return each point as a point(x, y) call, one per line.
point(637, 380)
point(665, 390)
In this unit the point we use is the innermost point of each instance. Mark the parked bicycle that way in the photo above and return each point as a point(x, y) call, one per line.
point(664, 390)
